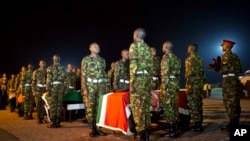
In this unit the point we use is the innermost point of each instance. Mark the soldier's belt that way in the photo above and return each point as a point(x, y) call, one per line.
point(172, 76)
point(41, 85)
point(70, 87)
point(142, 72)
point(56, 82)
point(27, 85)
point(229, 74)
point(155, 78)
point(124, 81)
point(95, 80)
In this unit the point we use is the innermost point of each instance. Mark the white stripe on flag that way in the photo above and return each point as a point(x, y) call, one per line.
point(103, 110)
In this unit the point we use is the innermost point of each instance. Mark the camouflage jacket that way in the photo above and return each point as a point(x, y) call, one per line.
point(121, 72)
point(156, 66)
point(93, 68)
point(39, 77)
point(11, 84)
point(55, 72)
point(170, 66)
point(194, 67)
point(230, 63)
point(111, 74)
point(3, 83)
point(26, 79)
point(71, 79)
point(140, 59)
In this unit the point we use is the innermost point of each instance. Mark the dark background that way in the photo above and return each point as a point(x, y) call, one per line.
point(34, 31)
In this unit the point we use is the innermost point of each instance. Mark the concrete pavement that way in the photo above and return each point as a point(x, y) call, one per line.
point(28, 130)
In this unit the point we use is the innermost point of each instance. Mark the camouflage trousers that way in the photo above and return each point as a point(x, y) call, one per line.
point(92, 99)
point(169, 100)
point(39, 101)
point(194, 102)
point(55, 101)
point(231, 96)
point(140, 102)
point(28, 100)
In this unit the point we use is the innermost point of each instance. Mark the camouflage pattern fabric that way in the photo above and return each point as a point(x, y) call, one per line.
point(56, 91)
point(94, 75)
point(39, 87)
point(170, 74)
point(194, 75)
point(231, 84)
point(121, 75)
point(111, 77)
point(11, 85)
point(141, 72)
point(27, 92)
point(71, 81)
point(156, 73)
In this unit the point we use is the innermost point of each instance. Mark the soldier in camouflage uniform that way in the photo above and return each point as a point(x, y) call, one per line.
point(121, 73)
point(170, 74)
point(3, 92)
point(11, 91)
point(156, 67)
point(230, 68)
point(141, 72)
point(71, 79)
point(195, 77)
point(39, 87)
point(110, 74)
point(18, 89)
point(27, 92)
point(93, 85)
point(56, 86)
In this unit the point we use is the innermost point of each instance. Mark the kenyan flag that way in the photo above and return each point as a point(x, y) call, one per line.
point(111, 110)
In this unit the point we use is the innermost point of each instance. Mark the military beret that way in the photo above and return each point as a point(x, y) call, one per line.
point(230, 43)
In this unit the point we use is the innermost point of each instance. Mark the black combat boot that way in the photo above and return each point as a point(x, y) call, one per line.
point(30, 116)
point(58, 123)
point(25, 116)
point(52, 124)
point(98, 131)
point(140, 136)
point(91, 130)
point(146, 135)
point(197, 127)
point(226, 128)
point(172, 130)
point(39, 119)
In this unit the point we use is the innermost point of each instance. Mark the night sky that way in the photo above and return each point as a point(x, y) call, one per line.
point(34, 31)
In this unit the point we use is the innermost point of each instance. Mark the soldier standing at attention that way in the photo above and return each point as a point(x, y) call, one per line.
point(141, 72)
point(11, 92)
point(71, 79)
point(230, 68)
point(39, 87)
point(3, 90)
point(110, 74)
point(93, 85)
point(18, 89)
point(194, 75)
point(156, 67)
point(121, 72)
point(55, 82)
point(170, 74)
point(27, 92)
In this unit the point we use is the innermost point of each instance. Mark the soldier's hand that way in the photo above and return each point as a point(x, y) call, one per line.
point(85, 92)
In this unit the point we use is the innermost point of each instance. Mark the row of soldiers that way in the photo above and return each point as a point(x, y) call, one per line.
point(137, 72)
point(140, 72)
point(29, 85)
